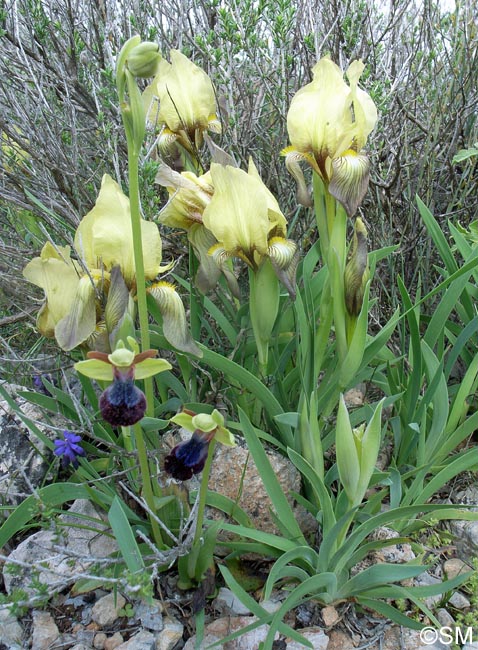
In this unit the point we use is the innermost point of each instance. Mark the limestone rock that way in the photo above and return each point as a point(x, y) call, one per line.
point(221, 627)
point(99, 641)
point(445, 618)
point(170, 635)
point(106, 610)
point(235, 475)
point(45, 631)
point(112, 642)
point(315, 635)
point(459, 601)
point(392, 553)
point(11, 632)
point(455, 567)
point(340, 641)
point(425, 580)
point(143, 640)
point(23, 457)
point(150, 615)
point(227, 603)
point(57, 555)
point(466, 532)
point(330, 615)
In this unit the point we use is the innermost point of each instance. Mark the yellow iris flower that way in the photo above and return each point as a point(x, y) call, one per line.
point(189, 195)
point(247, 222)
point(187, 102)
point(76, 291)
point(328, 124)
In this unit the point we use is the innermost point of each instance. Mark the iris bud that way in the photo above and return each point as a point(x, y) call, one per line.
point(357, 272)
point(143, 60)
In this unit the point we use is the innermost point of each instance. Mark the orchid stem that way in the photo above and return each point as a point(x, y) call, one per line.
point(146, 479)
point(203, 492)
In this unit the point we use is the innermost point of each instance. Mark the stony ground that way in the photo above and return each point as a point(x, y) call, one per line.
point(103, 620)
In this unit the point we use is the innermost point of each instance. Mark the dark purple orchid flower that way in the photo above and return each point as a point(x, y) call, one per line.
point(122, 403)
point(188, 458)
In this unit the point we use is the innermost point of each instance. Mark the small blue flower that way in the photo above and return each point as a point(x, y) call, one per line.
point(39, 385)
point(69, 449)
point(188, 457)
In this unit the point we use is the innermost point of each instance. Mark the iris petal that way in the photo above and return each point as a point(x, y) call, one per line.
point(350, 180)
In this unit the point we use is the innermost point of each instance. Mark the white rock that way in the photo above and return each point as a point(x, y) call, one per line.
point(112, 642)
point(150, 615)
point(455, 567)
point(56, 558)
point(270, 606)
point(99, 641)
point(170, 635)
point(425, 580)
point(45, 631)
point(235, 475)
point(226, 602)
point(142, 641)
point(222, 627)
point(459, 601)
point(315, 635)
point(23, 457)
point(106, 610)
point(445, 618)
point(330, 615)
point(11, 632)
point(466, 532)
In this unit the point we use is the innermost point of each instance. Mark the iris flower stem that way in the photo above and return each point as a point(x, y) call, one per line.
point(203, 492)
point(336, 264)
point(264, 294)
point(331, 211)
point(146, 480)
point(195, 315)
point(133, 117)
point(133, 169)
point(321, 219)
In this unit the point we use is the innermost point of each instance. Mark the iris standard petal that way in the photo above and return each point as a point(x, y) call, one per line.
point(104, 236)
point(186, 96)
point(238, 212)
